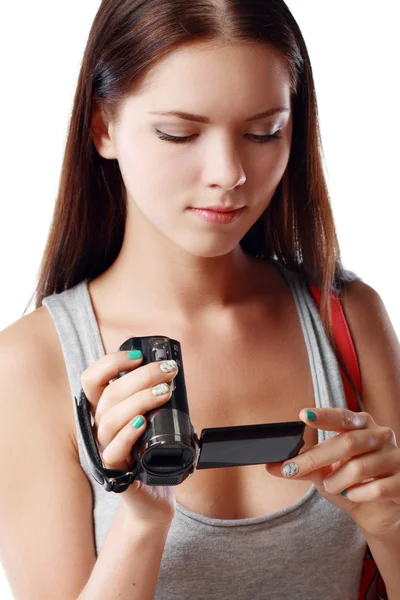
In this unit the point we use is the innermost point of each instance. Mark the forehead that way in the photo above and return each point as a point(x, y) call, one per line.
point(208, 59)
point(215, 78)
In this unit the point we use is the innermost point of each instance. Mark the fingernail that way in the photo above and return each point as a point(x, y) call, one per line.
point(137, 422)
point(168, 366)
point(325, 490)
point(310, 415)
point(160, 390)
point(134, 354)
point(290, 469)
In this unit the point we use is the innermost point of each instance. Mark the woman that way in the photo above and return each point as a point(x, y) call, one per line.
point(204, 226)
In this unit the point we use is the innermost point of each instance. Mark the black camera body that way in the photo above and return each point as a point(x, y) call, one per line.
point(170, 450)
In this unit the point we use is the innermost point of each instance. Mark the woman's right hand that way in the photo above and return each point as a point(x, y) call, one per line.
point(115, 405)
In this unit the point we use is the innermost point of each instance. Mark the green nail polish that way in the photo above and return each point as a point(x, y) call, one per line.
point(310, 415)
point(135, 354)
point(343, 493)
point(137, 422)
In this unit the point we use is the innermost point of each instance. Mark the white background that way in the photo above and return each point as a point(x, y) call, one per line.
point(355, 63)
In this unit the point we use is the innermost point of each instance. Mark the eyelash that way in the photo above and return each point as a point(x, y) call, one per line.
point(260, 139)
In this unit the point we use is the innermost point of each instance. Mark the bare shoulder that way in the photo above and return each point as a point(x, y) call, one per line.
point(38, 317)
point(30, 350)
point(369, 322)
point(378, 351)
point(35, 327)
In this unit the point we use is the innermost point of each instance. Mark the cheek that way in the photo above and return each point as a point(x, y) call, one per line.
point(151, 171)
point(278, 168)
point(269, 171)
point(266, 178)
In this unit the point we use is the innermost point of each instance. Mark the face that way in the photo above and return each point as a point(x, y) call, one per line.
point(228, 160)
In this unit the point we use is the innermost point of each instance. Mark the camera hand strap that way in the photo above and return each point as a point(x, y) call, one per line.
point(113, 480)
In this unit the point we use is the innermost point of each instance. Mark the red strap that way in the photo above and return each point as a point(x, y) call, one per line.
point(345, 346)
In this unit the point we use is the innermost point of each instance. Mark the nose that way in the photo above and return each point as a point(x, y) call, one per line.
point(226, 170)
point(241, 181)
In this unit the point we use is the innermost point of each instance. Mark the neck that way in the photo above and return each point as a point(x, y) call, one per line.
point(153, 274)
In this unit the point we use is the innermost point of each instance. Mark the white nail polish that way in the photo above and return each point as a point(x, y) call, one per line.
point(290, 470)
point(168, 366)
point(160, 390)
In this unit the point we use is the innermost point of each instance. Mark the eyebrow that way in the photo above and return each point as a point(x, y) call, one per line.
point(200, 119)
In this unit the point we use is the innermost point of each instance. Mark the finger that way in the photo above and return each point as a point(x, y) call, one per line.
point(115, 418)
point(115, 455)
point(97, 376)
point(341, 447)
point(143, 378)
point(316, 477)
point(385, 488)
point(335, 419)
point(381, 463)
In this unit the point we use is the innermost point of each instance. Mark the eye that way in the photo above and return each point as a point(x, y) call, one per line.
point(260, 139)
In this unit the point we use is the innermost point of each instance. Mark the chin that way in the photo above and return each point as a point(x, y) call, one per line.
point(202, 250)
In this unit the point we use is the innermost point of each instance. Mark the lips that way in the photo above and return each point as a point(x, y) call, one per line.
point(221, 209)
point(217, 216)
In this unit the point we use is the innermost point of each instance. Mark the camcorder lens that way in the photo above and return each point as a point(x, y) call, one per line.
point(161, 460)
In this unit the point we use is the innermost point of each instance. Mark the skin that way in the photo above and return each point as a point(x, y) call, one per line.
point(357, 470)
point(199, 266)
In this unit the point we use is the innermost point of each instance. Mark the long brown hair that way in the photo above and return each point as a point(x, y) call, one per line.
point(127, 38)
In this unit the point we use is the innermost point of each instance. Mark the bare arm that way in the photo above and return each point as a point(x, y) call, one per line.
point(128, 564)
point(378, 352)
point(386, 553)
point(46, 506)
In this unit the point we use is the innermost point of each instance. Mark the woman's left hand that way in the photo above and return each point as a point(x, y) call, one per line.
point(357, 470)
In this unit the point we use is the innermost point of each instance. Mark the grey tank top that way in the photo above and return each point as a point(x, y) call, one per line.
point(309, 550)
